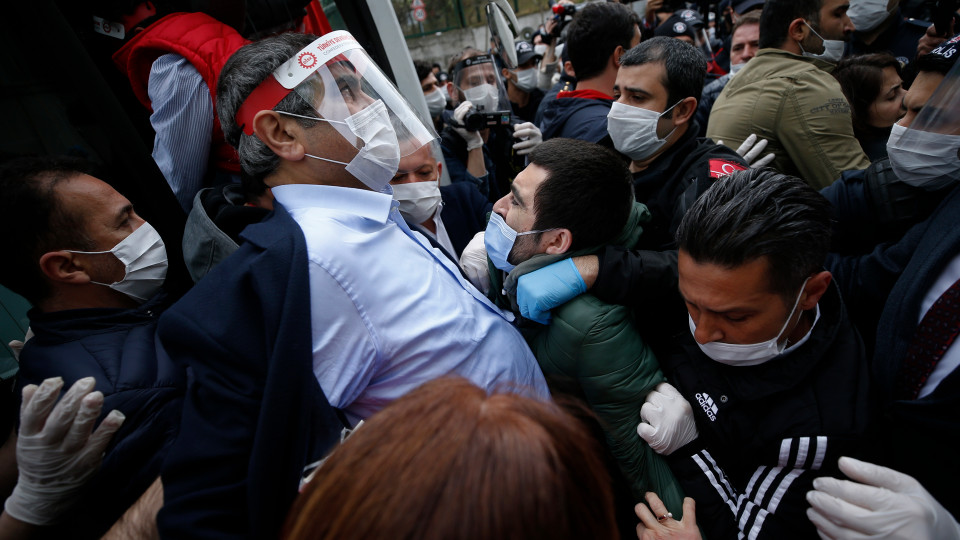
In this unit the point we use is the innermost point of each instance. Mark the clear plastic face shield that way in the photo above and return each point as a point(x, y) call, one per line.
point(477, 80)
point(348, 91)
point(927, 153)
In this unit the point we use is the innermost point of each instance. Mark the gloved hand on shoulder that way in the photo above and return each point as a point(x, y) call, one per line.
point(878, 503)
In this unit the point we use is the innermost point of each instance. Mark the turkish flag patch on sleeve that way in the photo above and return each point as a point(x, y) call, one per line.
point(721, 167)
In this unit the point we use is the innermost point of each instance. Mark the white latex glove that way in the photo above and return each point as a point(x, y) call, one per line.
point(750, 149)
point(472, 138)
point(56, 452)
point(529, 135)
point(885, 504)
point(667, 420)
point(473, 260)
point(16, 346)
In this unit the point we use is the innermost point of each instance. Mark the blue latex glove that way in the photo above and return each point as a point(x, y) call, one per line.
point(542, 290)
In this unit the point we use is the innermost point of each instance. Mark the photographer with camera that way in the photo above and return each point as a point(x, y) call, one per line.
point(481, 114)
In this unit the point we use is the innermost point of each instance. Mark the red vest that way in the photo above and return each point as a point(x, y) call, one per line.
point(205, 42)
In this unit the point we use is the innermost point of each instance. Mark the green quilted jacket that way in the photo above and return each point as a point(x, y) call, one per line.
point(597, 347)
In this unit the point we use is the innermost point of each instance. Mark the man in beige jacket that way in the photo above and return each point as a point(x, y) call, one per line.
point(787, 95)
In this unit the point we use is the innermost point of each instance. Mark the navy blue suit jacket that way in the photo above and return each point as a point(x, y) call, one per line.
point(916, 436)
point(254, 414)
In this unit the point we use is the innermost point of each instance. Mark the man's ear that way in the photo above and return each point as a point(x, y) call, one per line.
point(684, 110)
point(64, 267)
point(452, 92)
point(439, 170)
point(617, 53)
point(556, 242)
point(797, 30)
point(280, 134)
point(816, 286)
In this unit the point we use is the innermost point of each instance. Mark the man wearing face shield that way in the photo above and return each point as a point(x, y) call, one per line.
point(331, 308)
point(910, 286)
point(786, 94)
point(880, 203)
point(477, 140)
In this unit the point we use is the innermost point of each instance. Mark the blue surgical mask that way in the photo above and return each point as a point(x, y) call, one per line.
point(499, 239)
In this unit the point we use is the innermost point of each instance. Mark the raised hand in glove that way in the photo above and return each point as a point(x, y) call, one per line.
point(667, 420)
point(884, 504)
point(750, 149)
point(473, 261)
point(56, 452)
point(529, 137)
point(472, 138)
point(546, 288)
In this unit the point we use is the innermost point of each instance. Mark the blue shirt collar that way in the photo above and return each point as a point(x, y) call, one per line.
point(360, 202)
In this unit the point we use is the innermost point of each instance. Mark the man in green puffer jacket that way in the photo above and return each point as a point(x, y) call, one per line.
point(574, 198)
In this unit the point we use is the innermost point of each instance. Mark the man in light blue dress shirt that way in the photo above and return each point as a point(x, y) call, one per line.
point(318, 122)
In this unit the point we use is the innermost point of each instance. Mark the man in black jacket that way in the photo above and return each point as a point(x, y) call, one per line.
point(771, 374)
point(92, 268)
point(652, 123)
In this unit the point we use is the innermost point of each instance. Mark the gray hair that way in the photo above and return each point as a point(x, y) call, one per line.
point(760, 213)
point(243, 72)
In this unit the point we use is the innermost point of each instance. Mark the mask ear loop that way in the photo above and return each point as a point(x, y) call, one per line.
point(316, 119)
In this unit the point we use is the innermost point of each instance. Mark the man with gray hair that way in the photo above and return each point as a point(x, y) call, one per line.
point(331, 308)
point(769, 376)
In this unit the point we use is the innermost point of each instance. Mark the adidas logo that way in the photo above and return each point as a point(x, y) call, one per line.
point(708, 405)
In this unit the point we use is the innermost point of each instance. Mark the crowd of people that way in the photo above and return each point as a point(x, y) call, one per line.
point(695, 275)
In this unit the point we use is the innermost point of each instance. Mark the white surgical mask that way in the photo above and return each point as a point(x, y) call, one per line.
point(484, 97)
point(751, 354)
point(924, 159)
point(527, 80)
point(540, 49)
point(832, 48)
point(734, 68)
point(499, 239)
point(435, 102)
point(144, 258)
point(377, 162)
point(418, 200)
point(867, 14)
point(634, 130)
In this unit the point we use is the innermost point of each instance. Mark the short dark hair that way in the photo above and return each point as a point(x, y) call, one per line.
point(594, 34)
point(423, 69)
point(861, 80)
point(34, 220)
point(760, 213)
point(684, 65)
point(778, 14)
point(588, 190)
